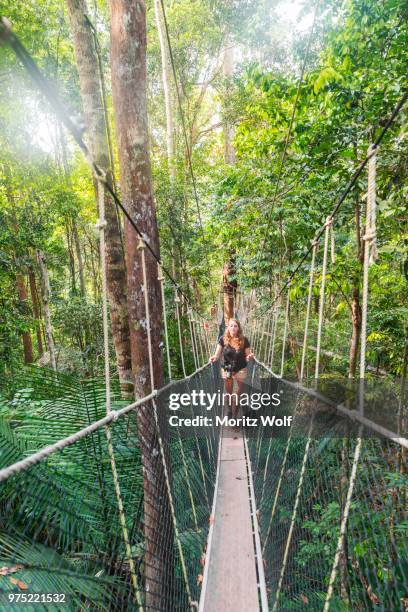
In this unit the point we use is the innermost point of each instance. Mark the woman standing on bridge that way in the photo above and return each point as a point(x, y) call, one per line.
point(236, 353)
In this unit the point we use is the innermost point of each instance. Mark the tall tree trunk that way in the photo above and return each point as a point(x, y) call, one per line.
point(128, 68)
point(74, 227)
point(228, 69)
point(36, 310)
point(128, 64)
point(78, 252)
point(229, 283)
point(71, 257)
point(45, 295)
point(229, 287)
point(170, 148)
point(166, 69)
point(87, 63)
point(20, 283)
point(26, 336)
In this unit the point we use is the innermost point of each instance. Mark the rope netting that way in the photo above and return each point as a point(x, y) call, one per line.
point(302, 482)
point(62, 529)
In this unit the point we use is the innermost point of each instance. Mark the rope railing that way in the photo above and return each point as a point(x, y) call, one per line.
point(61, 515)
point(311, 501)
point(313, 488)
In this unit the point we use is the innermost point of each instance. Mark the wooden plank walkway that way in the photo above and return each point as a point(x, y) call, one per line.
point(231, 584)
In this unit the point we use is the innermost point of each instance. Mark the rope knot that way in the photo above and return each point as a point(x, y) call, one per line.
point(141, 245)
point(114, 414)
point(100, 174)
point(329, 222)
point(370, 235)
point(372, 150)
point(101, 224)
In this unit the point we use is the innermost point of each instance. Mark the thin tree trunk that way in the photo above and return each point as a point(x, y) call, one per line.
point(20, 283)
point(229, 287)
point(128, 68)
point(74, 226)
point(170, 148)
point(229, 282)
point(36, 310)
point(166, 68)
point(45, 295)
point(71, 257)
point(78, 253)
point(87, 63)
point(26, 336)
point(228, 68)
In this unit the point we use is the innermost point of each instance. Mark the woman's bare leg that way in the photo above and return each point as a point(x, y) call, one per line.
point(240, 384)
point(228, 388)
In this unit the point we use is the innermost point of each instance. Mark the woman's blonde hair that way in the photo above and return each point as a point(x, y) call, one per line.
point(228, 338)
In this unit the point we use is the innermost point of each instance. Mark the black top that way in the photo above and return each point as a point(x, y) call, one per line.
point(231, 356)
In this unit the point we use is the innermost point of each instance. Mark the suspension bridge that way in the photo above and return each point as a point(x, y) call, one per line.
point(129, 513)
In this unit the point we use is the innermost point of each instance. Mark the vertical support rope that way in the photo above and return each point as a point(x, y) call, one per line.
point(122, 517)
point(207, 341)
point(197, 341)
point(269, 339)
point(105, 325)
point(261, 345)
point(309, 434)
point(253, 333)
point(275, 327)
point(192, 339)
point(265, 471)
point(141, 247)
point(307, 447)
point(190, 492)
point(370, 255)
point(173, 511)
point(200, 340)
point(285, 332)
point(343, 525)
point(309, 303)
point(258, 323)
point(332, 251)
point(277, 492)
point(160, 278)
point(293, 518)
point(329, 222)
point(177, 302)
